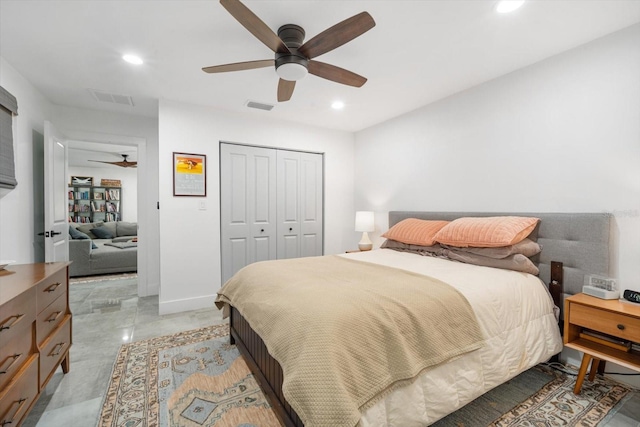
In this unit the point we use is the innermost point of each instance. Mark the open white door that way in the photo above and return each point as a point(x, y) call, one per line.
point(55, 195)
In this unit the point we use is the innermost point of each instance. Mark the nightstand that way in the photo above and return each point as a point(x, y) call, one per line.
point(619, 320)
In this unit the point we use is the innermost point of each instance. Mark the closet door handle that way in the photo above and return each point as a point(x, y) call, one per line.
point(290, 229)
point(262, 230)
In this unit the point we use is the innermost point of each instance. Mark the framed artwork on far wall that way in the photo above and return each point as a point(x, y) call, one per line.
point(189, 174)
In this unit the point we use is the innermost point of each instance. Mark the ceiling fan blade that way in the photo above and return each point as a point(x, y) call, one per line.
point(255, 25)
point(337, 35)
point(239, 66)
point(121, 164)
point(285, 90)
point(335, 74)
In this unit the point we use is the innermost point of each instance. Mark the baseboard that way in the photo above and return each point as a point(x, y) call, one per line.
point(187, 304)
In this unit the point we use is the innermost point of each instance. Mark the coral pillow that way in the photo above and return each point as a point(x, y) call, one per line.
point(490, 232)
point(415, 231)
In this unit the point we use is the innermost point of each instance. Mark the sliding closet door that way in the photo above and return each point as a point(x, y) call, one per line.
point(248, 206)
point(299, 204)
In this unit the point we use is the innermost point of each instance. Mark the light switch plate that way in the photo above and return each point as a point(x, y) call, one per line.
point(202, 205)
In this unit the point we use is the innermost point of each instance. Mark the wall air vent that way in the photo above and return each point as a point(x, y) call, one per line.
point(111, 98)
point(259, 105)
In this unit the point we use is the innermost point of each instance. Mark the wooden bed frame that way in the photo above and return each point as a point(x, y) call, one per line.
point(579, 240)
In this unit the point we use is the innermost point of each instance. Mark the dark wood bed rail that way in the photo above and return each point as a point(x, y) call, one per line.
point(265, 368)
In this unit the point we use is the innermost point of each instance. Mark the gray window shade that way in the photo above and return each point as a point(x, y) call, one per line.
point(8, 107)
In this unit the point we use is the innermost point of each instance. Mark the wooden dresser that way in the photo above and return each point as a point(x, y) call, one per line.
point(35, 334)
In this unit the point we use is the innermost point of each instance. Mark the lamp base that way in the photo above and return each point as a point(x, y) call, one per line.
point(365, 244)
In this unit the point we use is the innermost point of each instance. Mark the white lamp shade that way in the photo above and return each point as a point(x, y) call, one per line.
point(365, 221)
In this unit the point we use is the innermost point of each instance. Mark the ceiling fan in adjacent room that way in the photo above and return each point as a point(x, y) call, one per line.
point(293, 58)
point(123, 164)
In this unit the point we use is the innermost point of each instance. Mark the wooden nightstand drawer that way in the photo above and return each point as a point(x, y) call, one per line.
point(610, 323)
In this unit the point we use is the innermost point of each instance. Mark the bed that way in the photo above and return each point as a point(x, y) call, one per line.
point(515, 339)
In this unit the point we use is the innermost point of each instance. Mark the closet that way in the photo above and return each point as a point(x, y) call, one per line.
point(271, 205)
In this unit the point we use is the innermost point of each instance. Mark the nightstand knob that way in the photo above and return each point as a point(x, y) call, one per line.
point(621, 327)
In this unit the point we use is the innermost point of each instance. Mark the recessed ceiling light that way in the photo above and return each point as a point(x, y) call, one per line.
point(506, 6)
point(337, 105)
point(132, 59)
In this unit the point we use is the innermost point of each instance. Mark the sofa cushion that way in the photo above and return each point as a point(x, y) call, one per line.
point(102, 233)
point(77, 234)
point(86, 228)
point(122, 239)
point(112, 226)
point(126, 228)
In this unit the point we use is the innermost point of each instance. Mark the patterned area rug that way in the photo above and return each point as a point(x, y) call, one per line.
point(195, 379)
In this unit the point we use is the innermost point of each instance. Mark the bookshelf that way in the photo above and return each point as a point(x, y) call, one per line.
point(94, 203)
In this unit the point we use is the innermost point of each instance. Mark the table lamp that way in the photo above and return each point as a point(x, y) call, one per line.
point(365, 223)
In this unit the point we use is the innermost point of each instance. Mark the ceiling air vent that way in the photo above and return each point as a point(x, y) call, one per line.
point(111, 98)
point(259, 105)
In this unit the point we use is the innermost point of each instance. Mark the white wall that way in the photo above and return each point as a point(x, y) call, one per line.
point(129, 183)
point(562, 135)
point(17, 233)
point(190, 241)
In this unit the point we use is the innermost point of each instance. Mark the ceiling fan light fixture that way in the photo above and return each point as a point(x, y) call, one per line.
point(292, 71)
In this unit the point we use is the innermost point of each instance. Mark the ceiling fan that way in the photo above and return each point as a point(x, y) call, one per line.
point(123, 164)
point(293, 58)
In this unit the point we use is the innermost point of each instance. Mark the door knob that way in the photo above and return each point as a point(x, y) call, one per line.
point(290, 229)
point(53, 233)
point(262, 230)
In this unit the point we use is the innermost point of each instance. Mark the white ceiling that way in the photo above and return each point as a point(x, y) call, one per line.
point(92, 154)
point(419, 51)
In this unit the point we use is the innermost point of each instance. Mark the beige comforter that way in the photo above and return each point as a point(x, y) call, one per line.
point(347, 332)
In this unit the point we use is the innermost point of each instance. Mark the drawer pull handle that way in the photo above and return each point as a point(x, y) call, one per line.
point(57, 349)
point(621, 327)
point(15, 414)
point(52, 288)
point(15, 357)
point(54, 316)
point(8, 325)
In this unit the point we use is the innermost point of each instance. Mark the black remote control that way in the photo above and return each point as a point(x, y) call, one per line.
point(633, 296)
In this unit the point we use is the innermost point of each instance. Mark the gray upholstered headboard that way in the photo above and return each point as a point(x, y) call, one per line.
point(579, 240)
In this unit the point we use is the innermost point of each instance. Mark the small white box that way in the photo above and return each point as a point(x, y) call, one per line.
point(600, 293)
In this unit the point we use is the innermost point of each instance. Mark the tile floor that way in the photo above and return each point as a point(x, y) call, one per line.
point(105, 315)
point(109, 314)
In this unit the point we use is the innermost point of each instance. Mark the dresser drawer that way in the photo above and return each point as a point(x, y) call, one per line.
point(54, 348)
point(50, 318)
point(13, 355)
point(50, 289)
point(20, 394)
point(16, 317)
point(616, 324)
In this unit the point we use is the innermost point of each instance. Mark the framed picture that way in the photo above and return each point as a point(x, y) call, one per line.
point(82, 180)
point(189, 174)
